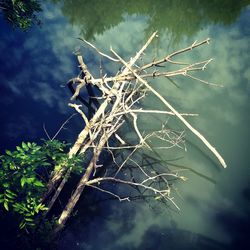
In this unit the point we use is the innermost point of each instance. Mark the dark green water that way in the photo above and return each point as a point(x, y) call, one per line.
point(215, 203)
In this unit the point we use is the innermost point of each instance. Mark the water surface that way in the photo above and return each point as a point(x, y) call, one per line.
point(214, 202)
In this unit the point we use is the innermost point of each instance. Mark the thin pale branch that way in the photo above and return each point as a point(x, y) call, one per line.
point(77, 108)
point(202, 81)
point(163, 193)
point(46, 132)
point(137, 56)
point(109, 192)
point(98, 51)
point(167, 58)
point(151, 111)
point(62, 126)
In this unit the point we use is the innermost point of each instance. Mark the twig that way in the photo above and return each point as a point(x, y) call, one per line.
point(62, 126)
point(108, 192)
point(77, 108)
point(149, 111)
point(162, 193)
point(167, 58)
point(124, 162)
point(46, 132)
point(77, 91)
point(200, 80)
point(98, 51)
point(137, 56)
point(142, 141)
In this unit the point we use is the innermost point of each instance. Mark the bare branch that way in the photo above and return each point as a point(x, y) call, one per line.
point(208, 83)
point(77, 91)
point(46, 132)
point(98, 51)
point(188, 125)
point(108, 192)
point(62, 126)
point(137, 56)
point(149, 111)
point(163, 193)
point(77, 108)
point(120, 96)
point(167, 58)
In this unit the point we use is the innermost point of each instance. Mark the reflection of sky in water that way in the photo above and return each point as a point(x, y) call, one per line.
point(223, 119)
point(34, 65)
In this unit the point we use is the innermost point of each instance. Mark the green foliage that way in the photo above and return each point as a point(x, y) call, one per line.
point(21, 13)
point(180, 18)
point(24, 174)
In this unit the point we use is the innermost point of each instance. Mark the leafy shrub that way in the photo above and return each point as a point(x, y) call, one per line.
point(24, 174)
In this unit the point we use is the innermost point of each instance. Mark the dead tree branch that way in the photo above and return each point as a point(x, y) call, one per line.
point(119, 101)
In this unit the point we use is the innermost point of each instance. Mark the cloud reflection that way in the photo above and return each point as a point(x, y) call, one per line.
point(44, 61)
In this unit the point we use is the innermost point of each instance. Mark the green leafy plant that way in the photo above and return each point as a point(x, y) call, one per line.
point(24, 174)
point(20, 13)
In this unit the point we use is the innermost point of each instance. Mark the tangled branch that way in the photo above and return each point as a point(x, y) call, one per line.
point(118, 103)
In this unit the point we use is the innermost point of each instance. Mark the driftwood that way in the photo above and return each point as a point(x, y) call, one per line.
point(118, 102)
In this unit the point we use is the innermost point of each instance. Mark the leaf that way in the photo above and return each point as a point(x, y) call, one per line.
point(22, 224)
point(6, 205)
point(38, 184)
point(31, 224)
point(30, 180)
point(40, 207)
point(29, 145)
point(43, 208)
point(25, 146)
point(28, 219)
point(12, 166)
point(8, 152)
point(21, 207)
point(46, 164)
point(18, 207)
point(37, 148)
point(23, 181)
point(6, 184)
point(11, 192)
point(58, 167)
point(10, 196)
